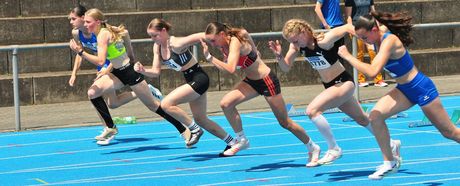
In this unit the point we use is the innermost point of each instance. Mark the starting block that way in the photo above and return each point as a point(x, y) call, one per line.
point(294, 112)
point(367, 109)
point(455, 118)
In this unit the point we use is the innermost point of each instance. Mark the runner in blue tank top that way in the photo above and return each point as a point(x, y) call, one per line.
point(413, 87)
point(320, 51)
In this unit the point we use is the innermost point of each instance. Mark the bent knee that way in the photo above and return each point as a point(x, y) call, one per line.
point(226, 105)
point(312, 112)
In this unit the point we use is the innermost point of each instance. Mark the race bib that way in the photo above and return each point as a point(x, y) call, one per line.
point(172, 65)
point(318, 62)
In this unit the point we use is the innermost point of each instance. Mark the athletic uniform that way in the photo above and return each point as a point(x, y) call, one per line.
point(91, 43)
point(126, 73)
point(420, 90)
point(323, 59)
point(267, 86)
point(194, 76)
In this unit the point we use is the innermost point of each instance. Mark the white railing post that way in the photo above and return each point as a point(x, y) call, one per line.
point(16, 88)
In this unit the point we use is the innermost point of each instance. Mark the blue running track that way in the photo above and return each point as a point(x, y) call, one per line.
point(152, 153)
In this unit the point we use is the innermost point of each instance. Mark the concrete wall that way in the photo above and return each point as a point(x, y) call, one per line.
point(40, 89)
point(37, 26)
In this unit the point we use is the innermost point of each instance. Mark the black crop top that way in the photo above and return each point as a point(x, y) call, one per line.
point(177, 61)
point(320, 58)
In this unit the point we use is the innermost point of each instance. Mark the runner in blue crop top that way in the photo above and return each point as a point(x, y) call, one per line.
point(321, 52)
point(412, 86)
point(175, 54)
point(87, 40)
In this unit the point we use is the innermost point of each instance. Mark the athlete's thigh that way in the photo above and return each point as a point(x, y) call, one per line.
point(392, 103)
point(181, 94)
point(438, 115)
point(241, 93)
point(143, 93)
point(333, 96)
point(278, 106)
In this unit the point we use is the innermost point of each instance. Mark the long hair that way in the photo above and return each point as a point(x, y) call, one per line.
point(297, 26)
point(217, 27)
point(159, 24)
point(398, 23)
point(116, 31)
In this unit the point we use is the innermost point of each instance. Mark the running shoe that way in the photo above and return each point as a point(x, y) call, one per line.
point(385, 170)
point(156, 93)
point(186, 135)
point(100, 136)
point(232, 150)
point(195, 137)
point(331, 156)
point(395, 150)
point(381, 84)
point(105, 141)
point(365, 84)
point(107, 133)
point(313, 157)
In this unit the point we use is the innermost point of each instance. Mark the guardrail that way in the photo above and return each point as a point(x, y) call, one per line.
point(16, 48)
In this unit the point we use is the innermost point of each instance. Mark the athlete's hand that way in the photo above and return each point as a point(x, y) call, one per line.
point(343, 52)
point(275, 46)
point(75, 46)
point(138, 67)
point(101, 73)
point(205, 48)
point(72, 80)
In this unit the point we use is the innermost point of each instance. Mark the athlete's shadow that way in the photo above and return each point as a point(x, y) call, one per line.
point(204, 157)
point(346, 175)
point(272, 166)
point(143, 148)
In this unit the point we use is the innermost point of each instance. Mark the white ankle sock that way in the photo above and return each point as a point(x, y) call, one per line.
point(369, 128)
point(311, 145)
point(241, 135)
point(229, 140)
point(193, 127)
point(324, 128)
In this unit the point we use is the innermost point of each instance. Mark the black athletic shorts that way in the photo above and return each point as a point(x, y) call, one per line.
point(197, 78)
point(343, 77)
point(268, 86)
point(127, 75)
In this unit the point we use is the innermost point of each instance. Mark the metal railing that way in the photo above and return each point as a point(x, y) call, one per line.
point(16, 48)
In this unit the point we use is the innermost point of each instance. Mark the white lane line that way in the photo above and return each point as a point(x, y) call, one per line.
point(95, 179)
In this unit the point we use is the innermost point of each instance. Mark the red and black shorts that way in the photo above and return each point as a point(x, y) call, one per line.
point(268, 86)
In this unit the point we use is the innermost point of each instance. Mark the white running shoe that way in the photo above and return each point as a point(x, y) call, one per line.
point(107, 133)
point(156, 93)
point(385, 170)
point(331, 156)
point(232, 150)
point(186, 135)
point(100, 136)
point(364, 84)
point(395, 150)
point(194, 138)
point(313, 157)
point(105, 141)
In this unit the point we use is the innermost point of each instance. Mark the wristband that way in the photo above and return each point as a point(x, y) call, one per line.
point(81, 52)
point(208, 57)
